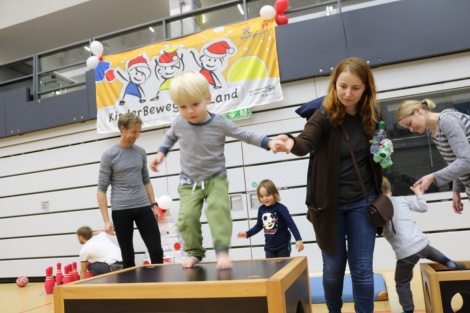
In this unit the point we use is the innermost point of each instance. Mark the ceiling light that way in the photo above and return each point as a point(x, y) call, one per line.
point(329, 10)
point(86, 48)
point(240, 9)
point(151, 29)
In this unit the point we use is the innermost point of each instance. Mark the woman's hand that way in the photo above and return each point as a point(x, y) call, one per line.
point(425, 182)
point(457, 204)
point(285, 143)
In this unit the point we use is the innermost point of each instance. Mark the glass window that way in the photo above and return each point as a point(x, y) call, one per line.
point(348, 5)
point(132, 39)
point(16, 70)
point(64, 57)
point(62, 78)
point(208, 20)
point(297, 8)
point(61, 91)
point(253, 7)
point(198, 4)
point(415, 154)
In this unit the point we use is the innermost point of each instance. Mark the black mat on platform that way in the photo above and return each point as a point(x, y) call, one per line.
point(262, 269)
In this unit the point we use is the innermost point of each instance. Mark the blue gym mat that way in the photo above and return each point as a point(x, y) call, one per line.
point(318, 296)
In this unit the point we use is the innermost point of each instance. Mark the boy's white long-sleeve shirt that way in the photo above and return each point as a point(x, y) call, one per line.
point(409, 239)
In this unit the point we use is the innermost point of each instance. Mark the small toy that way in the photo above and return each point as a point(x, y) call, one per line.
point(384, 155)
point(22, 281)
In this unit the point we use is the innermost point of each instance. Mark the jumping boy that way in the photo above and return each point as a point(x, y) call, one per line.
point(203, 175)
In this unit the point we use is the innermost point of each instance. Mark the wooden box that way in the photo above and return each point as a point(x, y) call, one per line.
point(440, 285)
point(267, 285)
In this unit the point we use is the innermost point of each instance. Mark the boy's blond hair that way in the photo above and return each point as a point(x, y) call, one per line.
point(189, 87)
point(386, 187)
point(270, 188)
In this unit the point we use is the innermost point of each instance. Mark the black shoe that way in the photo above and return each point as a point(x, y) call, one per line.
point(461, 266)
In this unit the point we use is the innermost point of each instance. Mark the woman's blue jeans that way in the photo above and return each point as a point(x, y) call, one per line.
point(355, 244)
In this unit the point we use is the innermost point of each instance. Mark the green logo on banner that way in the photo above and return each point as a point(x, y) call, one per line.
point(239, 114)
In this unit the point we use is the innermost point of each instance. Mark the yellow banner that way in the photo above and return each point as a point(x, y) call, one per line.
point(239, 61)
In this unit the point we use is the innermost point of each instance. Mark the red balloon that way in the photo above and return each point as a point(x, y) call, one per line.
point(281, 6)
point(281, 19)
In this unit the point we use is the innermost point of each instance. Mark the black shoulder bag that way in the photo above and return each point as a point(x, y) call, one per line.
point(381, 209)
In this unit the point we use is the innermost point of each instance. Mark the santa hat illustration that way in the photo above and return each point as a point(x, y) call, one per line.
point(218, 50)
point(168, 58)
point(136, 62)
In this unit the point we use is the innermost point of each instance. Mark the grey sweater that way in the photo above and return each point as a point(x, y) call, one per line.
point(202, 146)
point(125, 169)
point(452, 142)
point(409, 239)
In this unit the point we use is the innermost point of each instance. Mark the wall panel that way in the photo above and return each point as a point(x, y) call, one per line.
point(31, 267)
point(317, 50)
point(441, 217)
point(26, 116)
point(48, 224)
point(29, 175)
point(73, 177)
point(401, 31)
point(293, 173)
point(64, 200)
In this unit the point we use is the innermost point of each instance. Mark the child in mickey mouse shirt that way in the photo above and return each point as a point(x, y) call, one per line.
point(275, 218)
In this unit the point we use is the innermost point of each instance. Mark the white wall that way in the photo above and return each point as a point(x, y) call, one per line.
point(60, 166)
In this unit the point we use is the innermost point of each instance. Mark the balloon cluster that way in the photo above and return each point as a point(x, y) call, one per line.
point(164, 204)
point(97, 49)
point(280, 6)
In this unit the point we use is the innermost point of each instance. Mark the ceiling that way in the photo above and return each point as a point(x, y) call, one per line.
point(76, 23)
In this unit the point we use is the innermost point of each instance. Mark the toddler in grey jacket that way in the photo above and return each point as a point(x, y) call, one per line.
point(410, 243)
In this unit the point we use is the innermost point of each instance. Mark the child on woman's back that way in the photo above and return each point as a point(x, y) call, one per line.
point(275, 218)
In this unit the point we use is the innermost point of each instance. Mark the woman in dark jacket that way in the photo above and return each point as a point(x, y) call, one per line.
point(338, 208)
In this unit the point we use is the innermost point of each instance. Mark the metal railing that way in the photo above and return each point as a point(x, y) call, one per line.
point(63, 69)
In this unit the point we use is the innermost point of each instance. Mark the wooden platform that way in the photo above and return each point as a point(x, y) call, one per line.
point(32, 298)
point(445, 291)
point(267, 285)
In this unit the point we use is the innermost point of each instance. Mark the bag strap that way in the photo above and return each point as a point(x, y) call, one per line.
point(345, 134)
point(359, 172)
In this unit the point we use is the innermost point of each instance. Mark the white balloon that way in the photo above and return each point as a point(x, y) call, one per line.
point(92, 62)
point(164, 202)
point(96, 48)
point(267, 12)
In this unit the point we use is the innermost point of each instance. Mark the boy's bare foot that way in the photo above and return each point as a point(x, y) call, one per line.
point(223, 261)
point(190, 262)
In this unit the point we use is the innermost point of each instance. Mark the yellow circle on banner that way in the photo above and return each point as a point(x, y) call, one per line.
point(247, 68)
